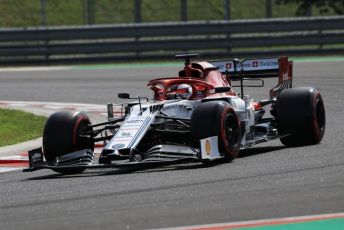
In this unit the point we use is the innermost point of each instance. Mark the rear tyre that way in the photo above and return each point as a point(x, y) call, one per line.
point(300, 112)
point(217, 118)
point(61, 136)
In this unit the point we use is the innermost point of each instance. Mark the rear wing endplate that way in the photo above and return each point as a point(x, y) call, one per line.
point(280, 68)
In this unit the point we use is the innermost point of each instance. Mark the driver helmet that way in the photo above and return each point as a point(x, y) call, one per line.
point(182, 91)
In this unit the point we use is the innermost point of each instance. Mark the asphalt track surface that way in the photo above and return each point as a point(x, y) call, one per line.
point(267, 181)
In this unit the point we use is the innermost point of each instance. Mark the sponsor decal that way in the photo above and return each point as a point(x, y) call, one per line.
point(125, 134)
point(179, 107)
point(37, 157)
point(245, 65)
point(131, 129)
point(269, 63)
point(248, 65)
point(134, 121)
point(207, 147)
point(118, 146)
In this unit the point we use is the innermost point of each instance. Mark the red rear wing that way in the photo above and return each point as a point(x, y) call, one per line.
point(280, 68)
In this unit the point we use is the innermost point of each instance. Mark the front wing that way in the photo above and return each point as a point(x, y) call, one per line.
point(159, 156)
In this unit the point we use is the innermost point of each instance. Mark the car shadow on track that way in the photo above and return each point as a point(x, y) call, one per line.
point(111, 172)
point(259, 150)
point(186, 166)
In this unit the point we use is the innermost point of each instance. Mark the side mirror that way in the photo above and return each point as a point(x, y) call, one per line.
point(223, 89)
point(124, 95)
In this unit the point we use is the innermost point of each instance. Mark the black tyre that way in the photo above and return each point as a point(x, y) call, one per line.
point(217, 118)
point(61, 135)
point(301, 112)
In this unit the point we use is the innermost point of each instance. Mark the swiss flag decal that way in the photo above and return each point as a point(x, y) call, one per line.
point(255, 64)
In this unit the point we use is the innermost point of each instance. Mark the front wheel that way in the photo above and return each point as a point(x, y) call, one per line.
point(63, 134)
point(217, 118)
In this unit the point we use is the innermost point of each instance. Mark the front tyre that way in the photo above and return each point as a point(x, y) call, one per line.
point(62, 135)
point(301, 113)
point(217, 118)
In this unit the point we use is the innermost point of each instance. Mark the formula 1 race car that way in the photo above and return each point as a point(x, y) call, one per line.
point(193, 117)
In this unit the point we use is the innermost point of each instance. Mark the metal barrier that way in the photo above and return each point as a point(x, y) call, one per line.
point(284, 36)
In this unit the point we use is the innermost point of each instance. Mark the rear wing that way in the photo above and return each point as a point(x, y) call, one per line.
point(280, 68)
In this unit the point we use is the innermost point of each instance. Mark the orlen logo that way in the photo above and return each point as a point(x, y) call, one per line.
point(118, 146)
point(255, 64)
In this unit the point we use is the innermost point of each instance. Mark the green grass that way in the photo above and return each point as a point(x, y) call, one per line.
point(25, 13)
point(17, 126)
